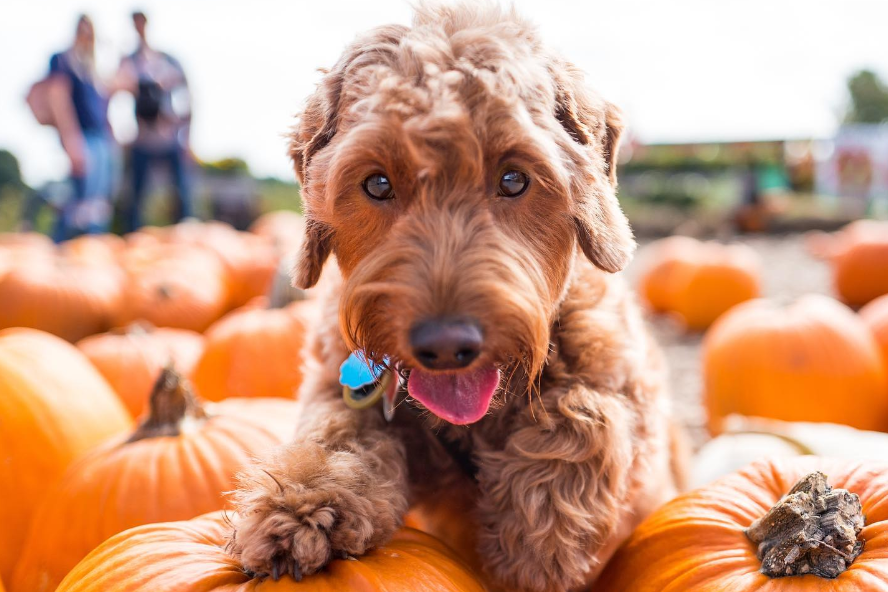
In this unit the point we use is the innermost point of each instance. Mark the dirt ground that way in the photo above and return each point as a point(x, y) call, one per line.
point(788, 272)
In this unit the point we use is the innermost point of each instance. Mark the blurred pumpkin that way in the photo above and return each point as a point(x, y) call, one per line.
point(875, 315)
point(255, 351)
point(176, 465)
point(93, 248)
point(284, 228)
point(61, 296)
point(665, 257)
point(715, 539)
point(53, 407)
point(190, 557)
point(698, 282)
point(860, 262)
point(812, 361)
point(132, 358)
point(33, 241)
point(174, 286)
point(249, 260)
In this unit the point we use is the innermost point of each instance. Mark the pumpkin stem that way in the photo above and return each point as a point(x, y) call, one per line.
point(171, 404)
point(283, 292)
point(812, 530)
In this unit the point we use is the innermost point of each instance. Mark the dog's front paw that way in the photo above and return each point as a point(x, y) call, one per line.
point(308, 506)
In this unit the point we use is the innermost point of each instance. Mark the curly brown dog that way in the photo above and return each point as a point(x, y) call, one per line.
point(464, 179)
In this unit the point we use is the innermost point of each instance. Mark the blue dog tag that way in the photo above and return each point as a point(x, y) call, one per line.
point(357, 372)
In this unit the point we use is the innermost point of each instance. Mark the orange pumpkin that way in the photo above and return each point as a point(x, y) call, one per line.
point(132, 358)
point(174, 286)
point(93, 248)
point(190, 557)
point(812, 361)
point(26, 240)
point(699, 282)
point(698, 542)
point(875, 315)
point(61, 296)
point(249, 260)
point(664, 259)
point(860, 262)
point(255, 351)
point(176, 465)
point(53, 407)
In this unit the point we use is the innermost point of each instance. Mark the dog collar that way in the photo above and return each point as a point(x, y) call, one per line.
point(364, 383)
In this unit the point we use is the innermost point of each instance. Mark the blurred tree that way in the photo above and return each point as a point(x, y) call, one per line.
point(10, 173)
point(869, 98)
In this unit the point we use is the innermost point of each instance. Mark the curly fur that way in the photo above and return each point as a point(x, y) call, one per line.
point(578, 447)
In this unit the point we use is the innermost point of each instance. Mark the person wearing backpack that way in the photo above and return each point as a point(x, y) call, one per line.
point(76, 104)
point(163, 114)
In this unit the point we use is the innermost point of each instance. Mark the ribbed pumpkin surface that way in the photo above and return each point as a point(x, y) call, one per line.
point(123, 484)
point(696, 542)
point(190, 557)
point(53, 407)
point(254, 352)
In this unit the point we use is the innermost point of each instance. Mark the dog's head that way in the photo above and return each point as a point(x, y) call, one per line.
point(453, 168)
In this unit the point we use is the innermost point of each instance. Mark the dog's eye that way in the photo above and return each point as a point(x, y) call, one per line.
point(513, 183)
point(378, 186)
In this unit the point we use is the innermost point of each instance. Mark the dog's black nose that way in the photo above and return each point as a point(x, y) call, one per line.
point(446, 343)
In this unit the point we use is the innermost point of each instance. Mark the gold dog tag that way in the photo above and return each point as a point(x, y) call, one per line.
point(364, 398)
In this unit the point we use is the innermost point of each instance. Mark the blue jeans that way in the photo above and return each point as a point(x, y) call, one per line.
point(143, 158)
point(89, 209)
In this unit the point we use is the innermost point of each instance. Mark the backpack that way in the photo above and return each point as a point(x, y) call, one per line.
point(38, 101)
point(148, 100)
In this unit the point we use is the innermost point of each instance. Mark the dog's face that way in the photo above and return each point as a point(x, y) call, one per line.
point(453, 169)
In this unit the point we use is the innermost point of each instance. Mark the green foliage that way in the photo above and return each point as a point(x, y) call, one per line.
point(10, 173)
point(226, 166)
point(869, 98)
point(275, 194)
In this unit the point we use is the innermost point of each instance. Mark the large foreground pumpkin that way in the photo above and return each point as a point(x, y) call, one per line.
point(811, 361)
point(175, 466)
point(132, 358)
point(698, 541)
point(190, 557)
point(53, 407)
point(255, 351)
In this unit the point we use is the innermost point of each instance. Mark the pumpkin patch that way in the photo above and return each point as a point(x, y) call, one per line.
point(177, 464)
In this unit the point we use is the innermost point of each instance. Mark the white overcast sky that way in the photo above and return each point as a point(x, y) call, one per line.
point(683, 70)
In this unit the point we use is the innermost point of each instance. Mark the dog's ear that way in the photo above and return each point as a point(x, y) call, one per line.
point(602, 229)
point(314, 129)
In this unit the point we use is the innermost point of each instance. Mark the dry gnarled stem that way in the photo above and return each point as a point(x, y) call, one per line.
point(812, 530)
point(170, 405)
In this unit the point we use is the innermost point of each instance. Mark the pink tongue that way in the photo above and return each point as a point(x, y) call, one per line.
point(460, 398)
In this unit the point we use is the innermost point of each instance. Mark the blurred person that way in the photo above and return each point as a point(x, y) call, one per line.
point(78, 101)
point(163, 115)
